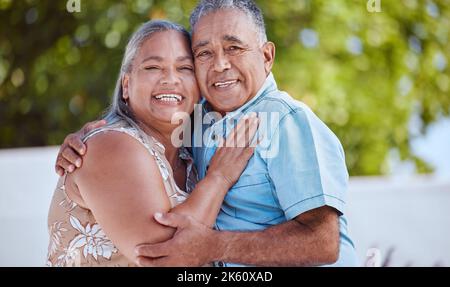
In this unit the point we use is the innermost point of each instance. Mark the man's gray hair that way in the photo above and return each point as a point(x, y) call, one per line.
point(249, 7)
point(119, 110)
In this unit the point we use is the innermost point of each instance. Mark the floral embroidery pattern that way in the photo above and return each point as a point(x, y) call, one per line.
point(55, 237)
point(93, 239)
point(68, 204)
point(70, 257)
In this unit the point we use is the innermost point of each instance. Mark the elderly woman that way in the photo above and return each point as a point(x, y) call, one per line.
point(131, 170)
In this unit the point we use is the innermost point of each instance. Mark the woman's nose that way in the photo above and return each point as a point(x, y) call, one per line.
point(169, 78)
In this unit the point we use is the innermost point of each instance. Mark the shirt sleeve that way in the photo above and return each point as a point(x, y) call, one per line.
point(308, 167)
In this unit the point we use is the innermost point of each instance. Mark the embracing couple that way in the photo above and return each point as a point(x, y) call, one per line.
point(129, 196)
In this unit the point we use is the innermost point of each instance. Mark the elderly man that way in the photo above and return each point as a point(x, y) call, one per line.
point(288, 206)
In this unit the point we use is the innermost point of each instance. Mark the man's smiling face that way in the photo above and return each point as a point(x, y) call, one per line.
point(231, 63)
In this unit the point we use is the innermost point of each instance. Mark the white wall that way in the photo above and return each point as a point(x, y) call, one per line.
point(27, 181)
point(410, 214)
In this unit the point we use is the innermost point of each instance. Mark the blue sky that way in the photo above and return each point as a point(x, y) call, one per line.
point(434, 147)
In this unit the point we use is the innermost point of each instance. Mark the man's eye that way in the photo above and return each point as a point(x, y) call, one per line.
point(203, 54)
point(187, 68)
point(234, 48)
point(149, 68)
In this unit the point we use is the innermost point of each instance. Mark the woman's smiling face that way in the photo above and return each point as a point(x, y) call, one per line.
point(162, 79)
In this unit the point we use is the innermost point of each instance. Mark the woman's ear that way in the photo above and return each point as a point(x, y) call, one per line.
point(269, 56)
point(125, 87)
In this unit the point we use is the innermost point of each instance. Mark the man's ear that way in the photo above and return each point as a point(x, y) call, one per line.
point(269, 56)
point(125, 87)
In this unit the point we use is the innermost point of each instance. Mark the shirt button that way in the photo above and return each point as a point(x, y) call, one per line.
point(213, 136)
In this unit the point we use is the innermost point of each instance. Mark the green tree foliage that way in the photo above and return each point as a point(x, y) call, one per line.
point(365, 74)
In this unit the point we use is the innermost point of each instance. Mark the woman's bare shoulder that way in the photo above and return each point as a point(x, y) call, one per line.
point(114, 151)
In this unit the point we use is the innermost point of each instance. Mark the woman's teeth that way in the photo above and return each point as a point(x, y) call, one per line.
point(169, 98)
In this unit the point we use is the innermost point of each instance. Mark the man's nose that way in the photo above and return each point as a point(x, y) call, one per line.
point(221, 63)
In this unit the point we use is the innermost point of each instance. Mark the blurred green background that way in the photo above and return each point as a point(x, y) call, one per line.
point(377, 79)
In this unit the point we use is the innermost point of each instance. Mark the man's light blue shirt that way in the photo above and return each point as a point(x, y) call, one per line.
point(298, 166)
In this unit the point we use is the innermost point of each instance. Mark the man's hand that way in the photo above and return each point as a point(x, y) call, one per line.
point(311, 239)
point(192, 244)
point(73, 148)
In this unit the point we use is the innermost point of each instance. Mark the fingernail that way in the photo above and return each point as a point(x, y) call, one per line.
point(158, 215)
point(71, 168)
point(253, 115)
point(82, 151)
point(78, 163)
point(245, 117)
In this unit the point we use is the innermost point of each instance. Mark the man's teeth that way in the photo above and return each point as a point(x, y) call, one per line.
point(224, 84)
point(169, 98)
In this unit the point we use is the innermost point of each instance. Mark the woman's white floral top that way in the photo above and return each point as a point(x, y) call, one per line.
point(76, 239)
